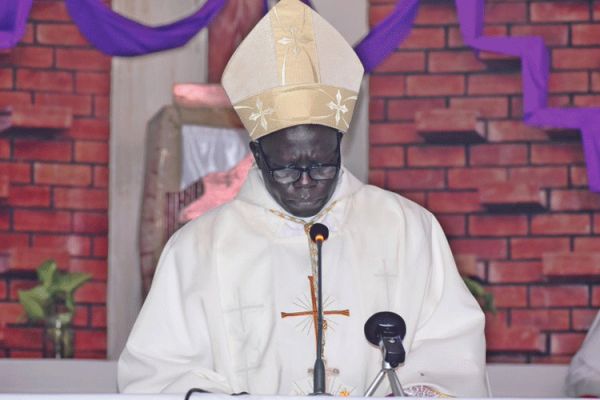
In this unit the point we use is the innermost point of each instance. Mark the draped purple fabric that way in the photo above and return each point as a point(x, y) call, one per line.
point(13, 21)
point(115, 35)
point(535, 71)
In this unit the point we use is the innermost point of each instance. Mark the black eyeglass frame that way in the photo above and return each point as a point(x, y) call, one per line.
point(308, 169)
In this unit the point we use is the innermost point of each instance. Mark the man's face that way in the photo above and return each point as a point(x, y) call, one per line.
point(299, 146)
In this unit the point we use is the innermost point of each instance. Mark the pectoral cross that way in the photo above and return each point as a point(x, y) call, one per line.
point(314, 312)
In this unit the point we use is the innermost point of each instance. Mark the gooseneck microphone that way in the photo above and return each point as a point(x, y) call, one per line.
point(318, 234)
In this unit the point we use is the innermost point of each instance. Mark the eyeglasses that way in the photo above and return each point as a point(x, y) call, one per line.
point(292, 174)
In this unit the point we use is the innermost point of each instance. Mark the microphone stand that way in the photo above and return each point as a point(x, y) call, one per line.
point(319, 369)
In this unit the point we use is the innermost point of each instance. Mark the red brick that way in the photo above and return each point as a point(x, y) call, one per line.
point(509, 296)
point(41, 117)
point(90, 340)
point(424, 38)
point(562, 153)
point(15, 99)
point(559, 296)
point(16, 171)
point(484, 248)
point(30, 56)
point(6, 78)
point(79, 105)
point(5, 219)
point(9, 240)
point(89, 129)
point(582, 319)
point(453, 225)
point(554, 320)
point(10, 313)
point(377, 177)
point(405, 109)
point(500, 337)
point(572, 264)
point(494, 84)
point(389, 156)
point(26, 354)
point(100, 246)
point(455, 38)
point(33, 149)
point(553, 35)
point(59, 34)
point(418, 197)
point(436, 156)
point(559, 11)
point(376, 109)
point(586, 101)
point(49, 11)
point(413, 61)
point(91, 292)
point(87, 222)
point(4, 149)
point(435, 85)
point(585, 34)
point(415, 179)
point(42, 221)
point(386, 85)
point(514, 131)
point(596, 223)
point(30, 258)
point(81, 199)
point(596, 296)
point(60, 174)
point(100, 177)
point(44, 80)
point(82, 60)
point(568, 82)
point(596, 81)
point(498, 225)
point(454, 61)
point(587, 244)
point(449, 126)
point(524, 248)
point(489, 107)
point(3, 291)
point(397, 133)
point(436, 14)
point(596, 10)
point(587, 58)
point(73, 244)
point(28, 36)
point(561, 224)
point(99, 317)
point(546, 177)
point(23, 337)
point(467, 178)
point(515, 272)
point(553, 101)
point(505, 12)
point(29, 196)
point(378, 13)
point(91, 152)
point(566, 343)
point(450, 202)
point(574, 200)
point(80, 318)
point(97, 268)
point(102, 106)
point(92, 83)
point(498, 154)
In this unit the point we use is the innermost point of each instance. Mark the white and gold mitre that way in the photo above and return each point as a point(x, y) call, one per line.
point(293, 68)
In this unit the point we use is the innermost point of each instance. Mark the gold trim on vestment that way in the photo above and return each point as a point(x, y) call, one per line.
point(292, 105)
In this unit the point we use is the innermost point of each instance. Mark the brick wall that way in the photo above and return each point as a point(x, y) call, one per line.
point(54, 174)
point(513, 199)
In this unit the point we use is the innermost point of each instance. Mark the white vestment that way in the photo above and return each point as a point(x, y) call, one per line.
point(213, 318)
point(584, 373)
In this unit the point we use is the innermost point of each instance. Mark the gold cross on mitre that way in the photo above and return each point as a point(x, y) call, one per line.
point(314, 312)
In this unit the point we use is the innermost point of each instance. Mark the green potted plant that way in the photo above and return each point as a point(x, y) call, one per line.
point(52, 302)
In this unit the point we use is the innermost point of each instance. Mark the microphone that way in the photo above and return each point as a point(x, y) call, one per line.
point(386, 330)
point(318, 234)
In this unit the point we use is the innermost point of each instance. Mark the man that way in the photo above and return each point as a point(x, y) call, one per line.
point(232, 306)
point(583, 378)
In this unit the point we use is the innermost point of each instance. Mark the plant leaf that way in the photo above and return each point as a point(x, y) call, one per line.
point(47, 273)
point(35, 302)
point(68, 283)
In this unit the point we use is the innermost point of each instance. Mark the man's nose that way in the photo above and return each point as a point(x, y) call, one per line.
point(305, 180)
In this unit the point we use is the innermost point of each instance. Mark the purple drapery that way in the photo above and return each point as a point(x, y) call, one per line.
point(535, 70)
point(13, 20)
point(115, 35)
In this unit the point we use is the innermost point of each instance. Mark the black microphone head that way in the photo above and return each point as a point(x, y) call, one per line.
point(319, 232)
point(384, 324)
